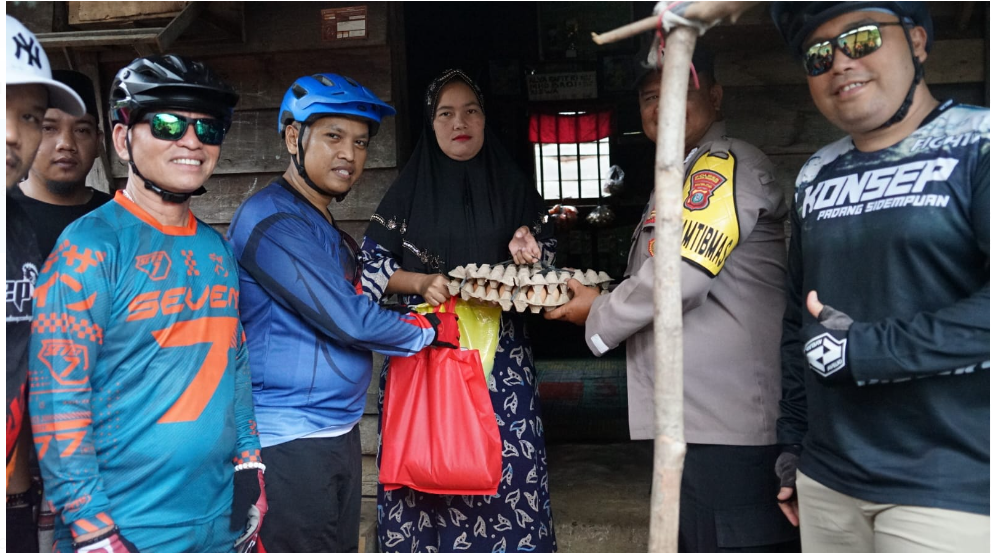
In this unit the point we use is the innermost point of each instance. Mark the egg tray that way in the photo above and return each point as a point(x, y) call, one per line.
point(536, 287)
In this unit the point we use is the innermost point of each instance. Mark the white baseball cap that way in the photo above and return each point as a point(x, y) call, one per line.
point(27, 63)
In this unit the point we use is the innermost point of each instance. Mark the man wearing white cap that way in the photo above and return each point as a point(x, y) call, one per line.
point(30, 92)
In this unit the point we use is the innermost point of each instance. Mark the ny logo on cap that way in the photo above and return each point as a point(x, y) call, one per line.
point(32, 49)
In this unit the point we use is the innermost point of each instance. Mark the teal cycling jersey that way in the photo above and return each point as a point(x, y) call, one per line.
point(140, 390)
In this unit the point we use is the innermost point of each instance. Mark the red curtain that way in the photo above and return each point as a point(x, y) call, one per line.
point(555, 128)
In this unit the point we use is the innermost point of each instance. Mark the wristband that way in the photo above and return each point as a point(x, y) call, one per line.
point(250, 465)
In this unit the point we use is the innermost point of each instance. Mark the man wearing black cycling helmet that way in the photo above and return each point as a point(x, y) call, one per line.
point(140, 387)
point(885, 403)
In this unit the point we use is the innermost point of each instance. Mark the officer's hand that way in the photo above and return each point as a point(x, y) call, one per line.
point(577, 308)
point(446, 330)
point(524, 247)
point(110, 542)
point(249, 509)
point(433, 289)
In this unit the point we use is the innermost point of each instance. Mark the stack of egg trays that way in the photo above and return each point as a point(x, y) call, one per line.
point(536, 287)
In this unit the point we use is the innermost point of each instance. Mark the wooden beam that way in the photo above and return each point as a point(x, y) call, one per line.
point(99, 176)
point(103, 37)
point(178, 25)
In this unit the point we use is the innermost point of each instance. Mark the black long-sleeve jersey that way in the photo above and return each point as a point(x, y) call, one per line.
point(898, 240)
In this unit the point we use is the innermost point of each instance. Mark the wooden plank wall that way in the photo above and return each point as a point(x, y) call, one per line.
point(766, 101)
point(283, 42)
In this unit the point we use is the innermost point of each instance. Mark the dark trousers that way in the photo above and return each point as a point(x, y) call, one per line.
point(728, 502)
point(22, 530)
point(314, 495)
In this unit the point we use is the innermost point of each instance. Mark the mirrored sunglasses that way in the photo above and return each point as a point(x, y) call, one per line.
point(170, 126)
point(855, 44)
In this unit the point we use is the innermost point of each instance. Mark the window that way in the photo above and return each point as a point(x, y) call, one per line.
point(573, 171)
point(571, 149)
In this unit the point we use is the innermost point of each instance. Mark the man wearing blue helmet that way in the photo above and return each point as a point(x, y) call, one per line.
point(885, 407)
point(310, 330)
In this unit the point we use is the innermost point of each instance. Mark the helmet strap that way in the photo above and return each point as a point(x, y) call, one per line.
point(299, 161)
point(917, 78)
point(170, 197)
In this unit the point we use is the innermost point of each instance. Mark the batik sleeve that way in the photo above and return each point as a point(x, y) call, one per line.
point(377, 267)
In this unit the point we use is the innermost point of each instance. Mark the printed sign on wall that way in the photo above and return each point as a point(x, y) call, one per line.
point(344, 23)
point(562, 86)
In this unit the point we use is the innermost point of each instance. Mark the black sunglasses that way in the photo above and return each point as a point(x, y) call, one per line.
point(169, 126)
point(855, 44)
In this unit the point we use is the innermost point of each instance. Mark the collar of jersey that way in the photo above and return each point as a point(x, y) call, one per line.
point(135, 209)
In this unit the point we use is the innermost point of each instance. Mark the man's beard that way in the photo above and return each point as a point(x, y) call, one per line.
point(64, 188)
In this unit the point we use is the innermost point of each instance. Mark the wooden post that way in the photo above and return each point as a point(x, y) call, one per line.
point(669, 417)
point(669, 424)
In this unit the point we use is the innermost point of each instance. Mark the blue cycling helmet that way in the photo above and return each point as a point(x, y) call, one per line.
point(310, 98)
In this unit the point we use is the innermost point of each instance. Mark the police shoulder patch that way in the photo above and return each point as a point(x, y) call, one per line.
point(710, 228)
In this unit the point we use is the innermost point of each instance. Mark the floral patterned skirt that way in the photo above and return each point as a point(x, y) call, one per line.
point(518, 517)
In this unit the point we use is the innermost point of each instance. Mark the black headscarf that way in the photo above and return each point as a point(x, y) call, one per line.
point(441, 213)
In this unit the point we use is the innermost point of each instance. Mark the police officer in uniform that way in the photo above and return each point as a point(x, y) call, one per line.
point(733, 277)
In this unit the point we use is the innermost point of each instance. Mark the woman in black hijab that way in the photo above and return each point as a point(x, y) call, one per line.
point(462, 199)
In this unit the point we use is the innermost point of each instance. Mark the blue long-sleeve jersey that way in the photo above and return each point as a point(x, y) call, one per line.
point(310, 331)
point(140, 390)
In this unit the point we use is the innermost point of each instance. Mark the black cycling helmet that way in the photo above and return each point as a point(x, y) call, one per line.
point(797, 20)
point(168, 82)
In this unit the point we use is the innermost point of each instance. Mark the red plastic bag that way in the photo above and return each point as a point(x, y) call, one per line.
point(439, 432)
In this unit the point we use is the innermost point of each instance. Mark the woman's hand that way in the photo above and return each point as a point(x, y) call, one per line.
point(524, 247)
point(433, 289)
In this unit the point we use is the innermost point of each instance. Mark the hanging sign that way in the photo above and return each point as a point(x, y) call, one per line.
point(562, 86)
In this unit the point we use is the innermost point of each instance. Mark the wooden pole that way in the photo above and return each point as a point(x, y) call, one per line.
point(669, 423)
point(669, 417)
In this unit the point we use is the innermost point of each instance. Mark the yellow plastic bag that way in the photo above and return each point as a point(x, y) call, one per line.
point(479, 327)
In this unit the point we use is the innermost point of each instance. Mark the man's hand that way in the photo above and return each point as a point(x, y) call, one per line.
point(433, 289)
point(786, 468)
point(446, 330)
point(523, 247)
point(250, 506)
point(109, 542)
point(788, 503)
point(576, 310)
point(826, 343)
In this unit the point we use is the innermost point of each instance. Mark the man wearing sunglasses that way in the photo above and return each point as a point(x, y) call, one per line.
point(141, 391)
point(885, 351)
point(732, 279)
point(30, 91)
point(310, 330)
